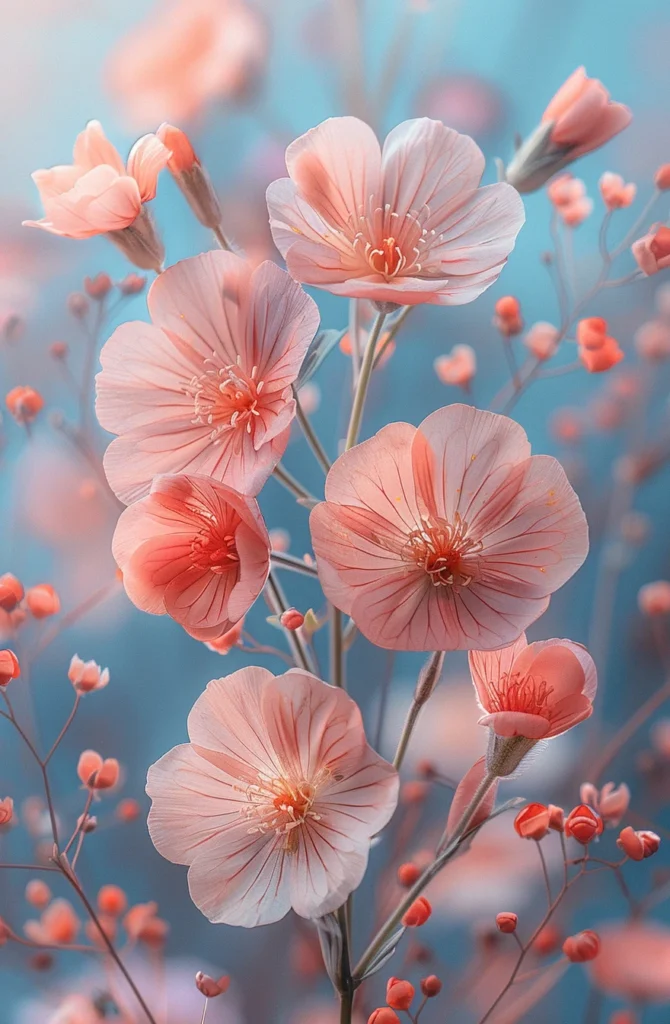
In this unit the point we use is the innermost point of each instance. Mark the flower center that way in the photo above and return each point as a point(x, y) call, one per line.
point(444, 551)
point(526, 694)
point(283, 804)
point(225, 398)
point(393, 244)
point(214, 551)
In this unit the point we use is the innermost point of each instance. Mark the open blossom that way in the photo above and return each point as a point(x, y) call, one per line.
point(98, 194)
point(184, 55)
point(542, 340)
point(404, 224)
point(206, 387)
point(58, 924)
point(580, 118)
point(87, 676)
point(273, 802)
point(652, 251)
point(615, 192)
point(449, 536)
point(196, 550)
point(534, 690)
point(611, 802)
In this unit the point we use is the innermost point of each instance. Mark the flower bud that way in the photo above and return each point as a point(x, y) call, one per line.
point(89, 763)
point(638, 845)
point(132, 284)
point(24, 403)
point(542, 340)
point(591, 332)
point(38, 893)
point(506, 922)
point(209, 987)
point(78, 304)
point(652, 251)
point(11, 591)
point(654, 598)
point(414, 792)
point(652, 341)
point(292, 619)
point(582, 947)
point(583, 824)
point(418, 913)
point(623, 1017)
point(458, 368)
point(547, 940)
point(532, 822)
point(191, 178)
point(86, 676)
point(399, 994)
point(408, 874)
point(112, 900)
point(602, 359)
point(610, 802)
point(662, 178)
point(382, 1015)
point(98, 287)
point(128, 810)
point(59, 350)
point(87, 823)
point(431, 986)
point(508, 317)
point(556, 818)
point(615, 192)
point(9, 667)
point(43, 601)
point(107, 775)
point(6, 812)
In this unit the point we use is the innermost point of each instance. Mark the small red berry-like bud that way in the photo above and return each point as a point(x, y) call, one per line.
point(98, 287)
point(638, 845)
point(87, 823)
point(583, 824)
point(11, 591)
point(414, 792)
point(24, 403)
point(431, 986)
point(418, 913)
point(508, 307)
point(582, 947)
point(399, 994)
point(408, 874)
point(292, 619)
point(383, 1015)
point(59, 350)
point(38, 893)
point(209, 987)
point(9, 667)
point(591, 332)
point(532, 822)
point(506, 922)
point(89, 763)
point(128, 810)
point(547, 940)
point(426, 769)
point(112, 900)
point(43, 601)
point(556, 817)
point(662, 178)
point(107, 775)
point(654, 598)
point(6, 812)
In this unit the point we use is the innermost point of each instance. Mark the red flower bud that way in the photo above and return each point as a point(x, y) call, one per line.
point(24, 403)
point(431, 986)
point(556, 817)
point(132, 284)
point(383, 1015)
point(532, 822)
point(292, 619)
point(638, 845)
point(582, 947)
point(9, 667)
point(11, 592)
point(399, 994)
point(583, 824)
point(209, 987)
point(43, 601)
point(112, 900)
point(98, 287)
point(418, 913)
point(413, 792)
point(128, 810)
point(38, 893)
point(506, 922)
point(408, 874)
point(662, 177)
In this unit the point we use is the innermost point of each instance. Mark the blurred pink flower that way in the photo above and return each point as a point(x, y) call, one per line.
point(196, 550)
point(465, 102)
point(98, 194)
point(449, 536)
point(611, 802)
point(273, 802)
point(458, 368)
point(634, 962)
point(652, 251)
point(615, 192)
point(582, 116)
point(185, 54)
point(535, 690)
point(406, 224)
point(206, 387)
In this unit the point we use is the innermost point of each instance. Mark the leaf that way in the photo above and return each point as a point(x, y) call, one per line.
point(384, 954)
point(322, 346)
point(330, 940)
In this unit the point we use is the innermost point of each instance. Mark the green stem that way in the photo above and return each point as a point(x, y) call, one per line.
point(291, 484)
point(426, 683)
point(397, 324)
point(363, 382)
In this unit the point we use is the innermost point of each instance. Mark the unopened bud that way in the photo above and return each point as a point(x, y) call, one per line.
point(190, 176)
point(431, 986)
point(583, 824)
point(399, 994)
point(209, 987)
point(638, 845)
point(78, 304)
point(11, 591)
point(132, 284)
point(532, 822)
point(408, 874)
point(9, 667)
point(98, 287)
point(292, 619)
point(418, 913)
point(506, 922)
point(582, 947)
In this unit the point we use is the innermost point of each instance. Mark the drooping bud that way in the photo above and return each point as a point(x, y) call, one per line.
point(9, 667)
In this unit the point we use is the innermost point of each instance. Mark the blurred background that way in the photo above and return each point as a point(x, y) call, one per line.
point(244, 85)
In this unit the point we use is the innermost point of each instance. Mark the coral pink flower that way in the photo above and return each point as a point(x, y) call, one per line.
point(273, 802)
point(652, 251)
point(652, 341)
point(206, 387)
point(581, 117)
point(449, 536)
point(87, 676)
point(230, 639)
point(634, 962)
point(542, 340)
point(615, 192)
point(196, 550)
point(611, 802)
point(98, 195)
point(458, 368)
point(406, 224)
point(185, 54)
point(58, 925)
point(534, 690)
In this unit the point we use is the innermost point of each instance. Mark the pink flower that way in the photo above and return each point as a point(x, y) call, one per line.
point(652, 251)
point(458, 368)
point(615, 192)
point(449, 536)
point(535, 690)
point(206, 387)
point(86, 676)
point(185, 54)
point(542, 340)
point(273, 802)
point(611, 802)
point(193, 549)
point(406, 224)
point(230, 639)
point(98, 195)
point(581, 117)
point(634, 962)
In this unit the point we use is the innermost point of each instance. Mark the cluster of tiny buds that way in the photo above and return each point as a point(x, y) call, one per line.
point(41, 600)
point(400, 996)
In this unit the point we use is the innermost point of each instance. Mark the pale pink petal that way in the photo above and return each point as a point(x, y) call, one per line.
point(92, 148)
point(488, 667)
point(465, 791)
point(281, 323)
point(146, 160)
point(517, 723)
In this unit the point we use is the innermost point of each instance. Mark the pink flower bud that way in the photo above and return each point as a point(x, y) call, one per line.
point(6, 812)
point(86, 676)
point(506, 922)
point(582, 947)
point(431, 986)
point(292, 619)
point(652, 341)
point(638, 845)
point(532, 822)
point(418, 913)
point(132, 284)
point(458, 368)
point(209, 987)
point(556, 818)
point(43, 601)
point(652, 251)
point(78, 304)
point(190, 176)
point(654, 598)
point(542, 340)
point(583, 824)
point(24, 403)
point(112, 900)
point(9, 667)
point(11, 591)
point(399, 994)
point(662, 177)
point(383, 1015)
point(38, 893)
point(98, 287)
point(615, 192)
point(59, 350)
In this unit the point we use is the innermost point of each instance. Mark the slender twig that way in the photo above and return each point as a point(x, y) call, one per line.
point(293, 485)
point(363, 382)
point(65, 728)
point(285, 561)
point(545, 871)
point(628, 730)
point(310, 434)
